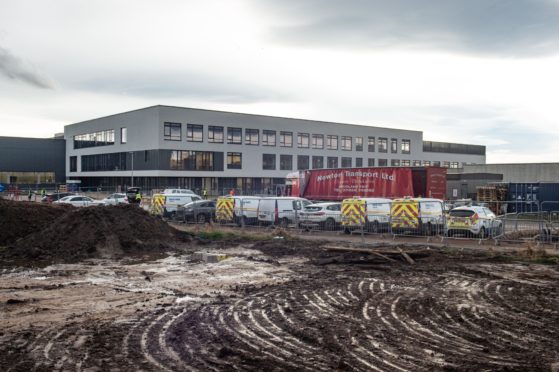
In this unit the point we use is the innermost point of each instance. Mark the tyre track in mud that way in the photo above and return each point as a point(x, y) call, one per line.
point(424, 317)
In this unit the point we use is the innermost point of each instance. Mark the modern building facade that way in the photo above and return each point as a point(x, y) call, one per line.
point(164, 146)
point(32, 161)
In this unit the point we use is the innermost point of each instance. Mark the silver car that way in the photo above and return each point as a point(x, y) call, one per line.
point(115, 199)
point(325, 215)
point(79, 201)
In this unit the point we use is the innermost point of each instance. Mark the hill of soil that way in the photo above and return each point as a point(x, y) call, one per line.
point(95, 232)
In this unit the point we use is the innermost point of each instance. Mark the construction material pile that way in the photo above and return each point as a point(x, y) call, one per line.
point(73, 234)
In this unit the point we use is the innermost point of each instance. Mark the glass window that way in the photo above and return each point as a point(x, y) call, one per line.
point(358, 162)
point(426, 163)
point(268, 137)
point(332, 143)
point(395, 162)
point(332, 162)
point(194, 133)
point(358, 143)
point(446, 164)
point(317, 162)
point(417, 163)
point(317, 141)
point(193, 160)
point(286, 162)
point(269, 161)
point(104, 162)
point(234, 160)
point(302, 162)
point(394, 145)
point(406, 146)
point(73, 163)
point(101, 138)
point(436, 164)
point(215, 134)
point(123, 135)
point(346, 162)
point(234, 136)
point(286, 139)
point(346, 143)
point(454, 164)
point(382, 162)
point(371, 162)
point(303, 141)
point(251, 136)
point(405, 163)
point(371, 144)
point(383, 144)
point(172, 131)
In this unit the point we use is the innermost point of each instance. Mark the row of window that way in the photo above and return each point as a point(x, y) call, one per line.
point(234, 136)
point(100, 138)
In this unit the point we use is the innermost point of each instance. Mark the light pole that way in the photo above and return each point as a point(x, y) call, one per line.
point(132, 156)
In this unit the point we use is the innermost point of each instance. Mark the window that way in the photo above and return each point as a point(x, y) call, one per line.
point(358, 162)
point(417, 163)
point(395, 162)
point(346, 162)
point(123, 135)
point(286, 162)
point(269, 161)
point(234, 160)
point(446, 164)
point(436, 164)
point(426, 163)
point(406, 146)
point(382, 162)
point(346, 143)
point(73, 163)
point(383, 145)
point(234, 136)
point(394, 145)
point(332, 162)
point(286, 139)
point(317, 141)
point(104, 162)
point(194, 133)
point(371, 162)
point(172, 132)
point(251, 136)
point(317, 162)
point(101, 138)
point(371, 144)
point(454, 164)
point(268, 137)
point(303, 140)
point(196, 160)
point(358, 143)
point(302, 162)
point(332, 143)
point(215, 134)
point(405, 163)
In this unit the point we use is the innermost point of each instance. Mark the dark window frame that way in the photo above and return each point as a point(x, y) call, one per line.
point(269, 161)
point(212, 131)
point(300, 142)
point(382, 144)
point(168, 131)
point(283, 136)
point(330, 139)
point(249, 137)
point(284, 158)
point(345, 146)
point(191, 130)
point(266, 135)
point(231, 163)
point(314, 141)
point(232, 135)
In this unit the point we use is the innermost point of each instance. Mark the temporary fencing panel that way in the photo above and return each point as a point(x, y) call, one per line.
point(404, 214)
point(353, 212)
point(224, 209)
point(157, 204)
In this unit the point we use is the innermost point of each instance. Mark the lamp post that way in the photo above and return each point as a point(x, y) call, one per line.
point(132, 175)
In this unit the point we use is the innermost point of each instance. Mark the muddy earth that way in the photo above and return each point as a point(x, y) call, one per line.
point(280, 304)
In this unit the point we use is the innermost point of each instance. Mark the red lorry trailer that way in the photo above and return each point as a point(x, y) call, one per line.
point(385, 182)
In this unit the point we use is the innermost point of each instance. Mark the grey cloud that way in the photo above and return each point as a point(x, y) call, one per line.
point(16, 69)
point(505, 28)
point(194, 85)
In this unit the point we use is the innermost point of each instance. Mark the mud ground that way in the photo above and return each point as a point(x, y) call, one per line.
point(282, 305)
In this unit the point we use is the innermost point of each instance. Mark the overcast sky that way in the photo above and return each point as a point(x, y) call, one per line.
point(471, 71)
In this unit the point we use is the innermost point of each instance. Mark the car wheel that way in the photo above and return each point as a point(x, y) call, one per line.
point(201, 218)
point(329, 224)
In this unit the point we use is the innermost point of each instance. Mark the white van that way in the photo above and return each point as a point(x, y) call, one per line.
point(418, 215)
point(174, 199)
point(377, 215)
point(280, 210)
point(245, 209)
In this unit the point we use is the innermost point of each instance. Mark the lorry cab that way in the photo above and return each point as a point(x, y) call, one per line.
point(280, 210)
point(417, 215)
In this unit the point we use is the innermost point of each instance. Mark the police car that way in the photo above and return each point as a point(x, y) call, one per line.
point(474, 220)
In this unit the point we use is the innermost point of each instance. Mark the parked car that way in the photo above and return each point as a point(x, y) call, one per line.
point(325, 215)
point(49, 198)
point(79, 201)
point(477, 221)
point(280, 210)
point(200, 211)
point(115, 199)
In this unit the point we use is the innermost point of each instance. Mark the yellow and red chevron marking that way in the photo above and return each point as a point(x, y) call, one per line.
point(405, 214)
point(157, 203)
point(353, 212)
point(224, 209)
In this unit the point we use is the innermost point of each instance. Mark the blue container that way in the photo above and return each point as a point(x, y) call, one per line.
point(549, 196)
point(523, 197)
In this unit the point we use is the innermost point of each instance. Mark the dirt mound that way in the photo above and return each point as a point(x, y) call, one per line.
point(96, 232)
point(280, 247)
point(19, 219)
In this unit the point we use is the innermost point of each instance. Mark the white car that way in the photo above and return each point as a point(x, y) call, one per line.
point(326, 215)
point(115, 199)
point(80, 201)
point(479, 221)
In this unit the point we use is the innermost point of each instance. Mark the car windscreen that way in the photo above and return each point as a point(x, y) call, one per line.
point(312, 209)
point(461, 213)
